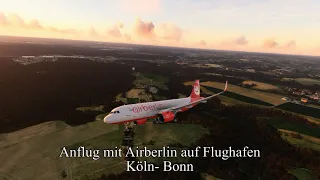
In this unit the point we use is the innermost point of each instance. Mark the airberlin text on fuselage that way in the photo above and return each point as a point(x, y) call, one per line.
point(140, 108)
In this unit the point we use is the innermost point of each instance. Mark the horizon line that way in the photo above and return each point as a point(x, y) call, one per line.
point(192, 48)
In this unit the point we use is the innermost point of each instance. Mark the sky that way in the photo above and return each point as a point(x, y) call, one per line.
point(275, 26)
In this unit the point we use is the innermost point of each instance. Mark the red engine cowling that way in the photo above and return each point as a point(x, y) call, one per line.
point(140, 121)
point(168, 116)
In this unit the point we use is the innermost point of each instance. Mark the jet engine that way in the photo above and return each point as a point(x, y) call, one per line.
point(140, 121)
point(165, 117)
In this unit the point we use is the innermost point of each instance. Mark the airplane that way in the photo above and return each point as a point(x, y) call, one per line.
point(162, 111)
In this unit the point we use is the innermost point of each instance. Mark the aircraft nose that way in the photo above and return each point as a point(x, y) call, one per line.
point(108, 119)
point(105, 119)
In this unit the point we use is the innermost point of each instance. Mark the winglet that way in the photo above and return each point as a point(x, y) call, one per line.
point(226, 86)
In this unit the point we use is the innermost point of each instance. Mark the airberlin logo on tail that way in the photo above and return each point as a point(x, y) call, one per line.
point(196, 90)
point(140, 108)
point(196, 87)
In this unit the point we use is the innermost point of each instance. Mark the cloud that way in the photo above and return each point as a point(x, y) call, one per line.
point(270, 43)
point(128, 37)
point(3, 19)
point(171, 32)
point(202, 43)
point(291, 44)
point(35, 24)
point(15, 20)
point(120, 25)
point(115, 31)
point(241, 41)
point(144, 29)
point(63, 31)
point(140, 6)
point(93, 32)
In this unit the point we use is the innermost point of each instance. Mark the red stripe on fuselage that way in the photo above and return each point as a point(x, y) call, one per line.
point(122, 122)
point(184, 109)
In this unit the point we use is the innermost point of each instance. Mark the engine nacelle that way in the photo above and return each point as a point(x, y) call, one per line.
point(168, 116)
point(164, 117)
point(140, 121)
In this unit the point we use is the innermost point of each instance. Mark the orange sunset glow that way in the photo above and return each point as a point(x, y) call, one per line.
point(258, 26)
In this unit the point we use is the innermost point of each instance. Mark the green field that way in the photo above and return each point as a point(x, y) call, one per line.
point(162, 135)
point(311, 119)
point(300, 109)
point(156, 97)
point(308, 81)
point(206, 65)
point(230, 101)
point(298, 127)
point(302, 174)
point(181, 95)
point(140, 80)
point(263, 97)
point(138, 93)
point(100, 117)
point(224, 99)
point(129, 99)
point(305, 141)
point(239, 97)
point(262, 86)
point(232, 98)
point(304, 81)
point(270, 98)
point(133, 100)
point(209, 177)
point(155, 78)
point(121, 98)
point(184, 134)
point(287, 79)
point(33, 152)
point(314, 105)
point(227, 99)
point(91, 108)
point(143, 79)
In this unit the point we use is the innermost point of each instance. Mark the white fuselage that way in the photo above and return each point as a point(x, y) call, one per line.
point(133, 112)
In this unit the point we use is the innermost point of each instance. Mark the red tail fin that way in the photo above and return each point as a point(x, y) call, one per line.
point(195, 94)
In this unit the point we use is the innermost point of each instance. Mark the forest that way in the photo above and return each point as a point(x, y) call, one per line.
point(52, 91)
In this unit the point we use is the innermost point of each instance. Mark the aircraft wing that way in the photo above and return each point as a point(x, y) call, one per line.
point(176, 108)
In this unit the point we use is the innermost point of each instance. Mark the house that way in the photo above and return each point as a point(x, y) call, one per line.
point(304, 100)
